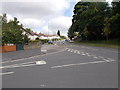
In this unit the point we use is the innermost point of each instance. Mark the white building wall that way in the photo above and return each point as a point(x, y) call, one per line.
point(32, 37)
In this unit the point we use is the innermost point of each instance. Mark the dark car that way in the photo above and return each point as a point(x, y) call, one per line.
point(50, 42)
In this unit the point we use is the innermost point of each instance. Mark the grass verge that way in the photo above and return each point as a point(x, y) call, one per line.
point(108, 44)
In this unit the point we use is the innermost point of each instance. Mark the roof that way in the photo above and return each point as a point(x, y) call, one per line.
point(39, 34)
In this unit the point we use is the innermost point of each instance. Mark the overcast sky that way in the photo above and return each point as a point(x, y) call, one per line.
point(46, 16)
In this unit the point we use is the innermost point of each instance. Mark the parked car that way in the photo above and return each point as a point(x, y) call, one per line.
point(68, 40)
point(50, 42)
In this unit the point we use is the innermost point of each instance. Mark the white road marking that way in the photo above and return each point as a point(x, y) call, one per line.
point(20, 66)
point(75, 52)
point(68, 49)
point(42, 62)
point(16, 60)
point(72, 50)
point(42, 85)
point(44, 50)
point(6, 73)
point(78, 53)
point(95, 57)
point(68, 65)
point(83, 54)
point(108, 60)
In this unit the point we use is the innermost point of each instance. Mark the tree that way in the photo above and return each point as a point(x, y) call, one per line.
point(26, 39)
point(85, 33)
point(90, 14)
point(4, 18)
point(62, 37)
point(28, 30)
point(70, 33)
point(0, 30)
point(11, 32)
point(115, 20)
point(58, 33)
point(106, 28)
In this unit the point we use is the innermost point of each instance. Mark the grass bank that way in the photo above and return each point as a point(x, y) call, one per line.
point(109, 44)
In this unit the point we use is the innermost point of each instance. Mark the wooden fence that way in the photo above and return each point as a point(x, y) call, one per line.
point(8, 48)
point(14, 47)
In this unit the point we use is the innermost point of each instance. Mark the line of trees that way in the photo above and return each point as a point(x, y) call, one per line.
point(95, 21)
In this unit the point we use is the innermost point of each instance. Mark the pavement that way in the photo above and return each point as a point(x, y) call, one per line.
point(29, 53)
point(69, 66)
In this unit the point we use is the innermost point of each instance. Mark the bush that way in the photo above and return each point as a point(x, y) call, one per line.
point(44, 40)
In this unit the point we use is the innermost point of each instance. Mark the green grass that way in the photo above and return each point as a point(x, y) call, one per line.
point(103, 43)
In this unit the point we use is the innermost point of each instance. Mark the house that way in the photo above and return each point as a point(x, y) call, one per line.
point(31, 35)
point(46, 36)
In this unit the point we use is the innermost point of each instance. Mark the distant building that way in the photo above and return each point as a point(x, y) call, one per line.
point(46, 36)
point(31, 35)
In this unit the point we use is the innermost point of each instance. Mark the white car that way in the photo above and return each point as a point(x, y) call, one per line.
point(70, 41)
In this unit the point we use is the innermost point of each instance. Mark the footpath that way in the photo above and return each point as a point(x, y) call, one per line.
point(45, 49)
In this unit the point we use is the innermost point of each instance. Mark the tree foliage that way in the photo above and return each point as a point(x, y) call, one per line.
point(11, 32)
point(95, 20)
point(58, 33)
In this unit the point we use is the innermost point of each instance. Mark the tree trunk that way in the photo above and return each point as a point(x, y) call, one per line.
point(107, 37)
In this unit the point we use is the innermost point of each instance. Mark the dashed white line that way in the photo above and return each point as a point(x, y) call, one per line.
point(19, 66)
point(42, 85)
point(42, 62)
point(6, 73)
point(83, 53)
point(68, 49)
point(108, 60)
point(16, 60)
point(95, 57)
point(78, 53)
point(68, 65)
point(75, 51)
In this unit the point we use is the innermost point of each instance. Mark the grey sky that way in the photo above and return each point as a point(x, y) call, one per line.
point(45, 16)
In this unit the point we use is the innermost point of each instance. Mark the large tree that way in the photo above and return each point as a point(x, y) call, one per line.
point(115, 20)
point(11, 32)
point(58, 33)
point(89, 15)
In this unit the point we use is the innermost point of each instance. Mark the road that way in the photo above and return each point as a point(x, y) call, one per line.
point(73, 66)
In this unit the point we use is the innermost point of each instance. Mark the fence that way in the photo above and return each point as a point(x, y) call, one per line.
point(17, 47)
point(8, 48)
point(33, 45)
